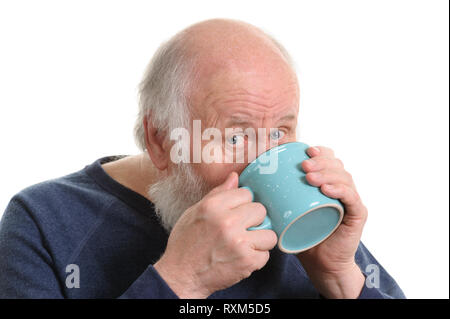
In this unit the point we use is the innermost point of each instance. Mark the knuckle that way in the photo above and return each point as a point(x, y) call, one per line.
point(327, 150)
point(247, 192)
point(208, 204)
point(247, 263)
point(365, 213)
point(348, 176)
point(339, 162)
point(225, 225)
point(224, 228)
point(358, 198)
point(340, 189)
point(260, 208)
point(273, 237)
point(266, 257)
point(343, 189)
point(354, 194)
point(263, 260)
point(239, 244)
point(246, 273)
point(348, 193)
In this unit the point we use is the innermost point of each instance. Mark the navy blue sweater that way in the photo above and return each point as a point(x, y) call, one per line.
point(113, 236)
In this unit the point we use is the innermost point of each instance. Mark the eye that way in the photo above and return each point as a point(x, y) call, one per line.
point(235, 139)
point(276, 134)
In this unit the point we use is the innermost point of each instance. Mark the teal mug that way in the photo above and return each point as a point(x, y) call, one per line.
point(300, 214)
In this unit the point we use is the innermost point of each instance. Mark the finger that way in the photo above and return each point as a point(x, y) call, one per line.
point(320, 150)
point(260, 258)
point(264, 239)
point(354, 208)
point(321, 162)
point(329, 176)
point(229, 183)
point(251, 214)
point(233, 198)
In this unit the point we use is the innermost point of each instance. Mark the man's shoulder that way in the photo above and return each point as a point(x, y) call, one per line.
point(64, 197)
point(59, 188)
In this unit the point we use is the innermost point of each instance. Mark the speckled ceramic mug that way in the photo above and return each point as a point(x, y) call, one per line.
point(300, 214)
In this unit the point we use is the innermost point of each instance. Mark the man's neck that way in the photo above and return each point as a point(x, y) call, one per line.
point(135, 172)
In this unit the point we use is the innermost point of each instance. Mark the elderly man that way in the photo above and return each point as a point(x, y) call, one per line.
point(146, 227)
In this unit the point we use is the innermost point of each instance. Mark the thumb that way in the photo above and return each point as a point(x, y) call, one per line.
point(230, 182)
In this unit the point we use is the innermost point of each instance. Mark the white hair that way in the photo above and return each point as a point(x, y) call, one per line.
point(163, 89)
point(173, 194)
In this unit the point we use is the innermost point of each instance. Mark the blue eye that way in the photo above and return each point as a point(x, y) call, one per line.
point(276, 134)
point(235, 139)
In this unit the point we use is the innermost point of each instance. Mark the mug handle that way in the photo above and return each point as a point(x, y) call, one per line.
point(266, 224)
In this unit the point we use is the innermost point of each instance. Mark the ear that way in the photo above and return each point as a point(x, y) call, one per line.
point(154, 142)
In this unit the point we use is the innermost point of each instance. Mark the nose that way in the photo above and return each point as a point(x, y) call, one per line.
point(262, 144)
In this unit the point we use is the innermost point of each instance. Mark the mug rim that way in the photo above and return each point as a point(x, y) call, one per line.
point(289, 251)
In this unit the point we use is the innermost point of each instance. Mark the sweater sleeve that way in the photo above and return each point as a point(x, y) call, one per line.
point(149, 285)
point(378, 283)
point(27, 268)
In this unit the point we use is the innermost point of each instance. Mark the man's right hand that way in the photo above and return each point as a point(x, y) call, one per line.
point(210, 248)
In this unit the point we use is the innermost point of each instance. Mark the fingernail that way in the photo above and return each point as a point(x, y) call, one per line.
point(317, 150)
point(311, 162)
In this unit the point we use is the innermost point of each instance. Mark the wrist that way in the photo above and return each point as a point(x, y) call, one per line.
point(181, 283)
point(345, 284)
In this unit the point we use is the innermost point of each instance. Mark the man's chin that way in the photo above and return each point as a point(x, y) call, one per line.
point(173, 194)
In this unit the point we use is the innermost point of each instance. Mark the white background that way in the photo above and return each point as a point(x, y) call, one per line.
point(374, 87)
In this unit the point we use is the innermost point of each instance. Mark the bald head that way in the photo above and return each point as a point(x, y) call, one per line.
point(218, 45)
point(225, 43)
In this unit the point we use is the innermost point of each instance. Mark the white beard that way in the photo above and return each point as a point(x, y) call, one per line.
point(175, 193)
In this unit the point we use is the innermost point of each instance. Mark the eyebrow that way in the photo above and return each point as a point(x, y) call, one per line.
point(287, 118)
point(238, 120)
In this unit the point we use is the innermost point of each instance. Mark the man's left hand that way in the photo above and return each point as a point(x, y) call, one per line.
point(331, 265)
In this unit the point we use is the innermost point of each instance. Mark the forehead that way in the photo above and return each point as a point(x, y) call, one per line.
point(253, 92)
